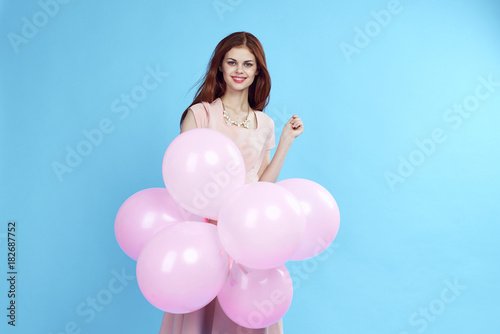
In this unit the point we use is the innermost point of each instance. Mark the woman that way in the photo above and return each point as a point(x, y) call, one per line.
point(231, 98)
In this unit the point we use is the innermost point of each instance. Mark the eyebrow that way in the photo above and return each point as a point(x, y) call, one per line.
point(236, 60)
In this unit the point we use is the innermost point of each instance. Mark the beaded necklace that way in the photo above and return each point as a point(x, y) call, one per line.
point(229, 121)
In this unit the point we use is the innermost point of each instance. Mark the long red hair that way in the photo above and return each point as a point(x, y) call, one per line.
point(214, 86)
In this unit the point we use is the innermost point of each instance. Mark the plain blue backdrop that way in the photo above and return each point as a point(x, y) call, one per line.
point(401, 106)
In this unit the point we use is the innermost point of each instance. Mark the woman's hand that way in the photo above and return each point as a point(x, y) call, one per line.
point(293, 128)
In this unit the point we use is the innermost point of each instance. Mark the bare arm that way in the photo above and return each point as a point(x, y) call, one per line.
point(270, 169)
point(189, 122)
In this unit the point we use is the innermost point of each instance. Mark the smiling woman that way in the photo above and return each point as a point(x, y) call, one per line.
point(231, 99)
point(233, 94)
point(236, 70)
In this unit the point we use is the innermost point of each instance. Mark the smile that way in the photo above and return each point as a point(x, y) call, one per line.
point(238, 79)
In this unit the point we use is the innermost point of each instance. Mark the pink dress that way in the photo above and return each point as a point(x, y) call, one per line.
point(253, 145)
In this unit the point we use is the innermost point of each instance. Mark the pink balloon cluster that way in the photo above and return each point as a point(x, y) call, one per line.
point(183, 262)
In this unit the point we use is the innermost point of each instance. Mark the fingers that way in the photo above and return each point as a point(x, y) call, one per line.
point(296, 122)
point(294, 127)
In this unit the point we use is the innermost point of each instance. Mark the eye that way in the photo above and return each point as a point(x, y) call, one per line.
point(248, 64)
point(231, 63)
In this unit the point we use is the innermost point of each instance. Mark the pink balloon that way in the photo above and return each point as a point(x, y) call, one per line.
point(201, 168)
point(144, 214)
point(258, 298)
point(261, 226)
point(322, 216)
point(183, 267)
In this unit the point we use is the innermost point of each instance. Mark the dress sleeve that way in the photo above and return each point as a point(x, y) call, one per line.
point(201, 115)
point(271, 141)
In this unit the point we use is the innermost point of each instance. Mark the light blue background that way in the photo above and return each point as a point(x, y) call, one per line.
point(398, 247)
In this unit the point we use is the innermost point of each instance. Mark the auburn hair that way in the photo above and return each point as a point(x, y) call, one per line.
point(213, 85)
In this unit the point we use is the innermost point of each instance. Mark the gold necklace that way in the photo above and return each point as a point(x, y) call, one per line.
point(229, 121)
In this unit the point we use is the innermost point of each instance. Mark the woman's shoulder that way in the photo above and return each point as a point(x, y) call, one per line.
point(264, 118)
point(207, 106)
point(216, 103)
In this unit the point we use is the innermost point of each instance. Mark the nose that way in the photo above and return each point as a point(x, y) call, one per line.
point(239, 69)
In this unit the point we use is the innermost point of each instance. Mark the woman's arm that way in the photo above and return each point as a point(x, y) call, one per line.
point(270, 169)
point(189, 122)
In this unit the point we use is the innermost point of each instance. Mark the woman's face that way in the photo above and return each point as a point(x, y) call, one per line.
point(239, 68)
